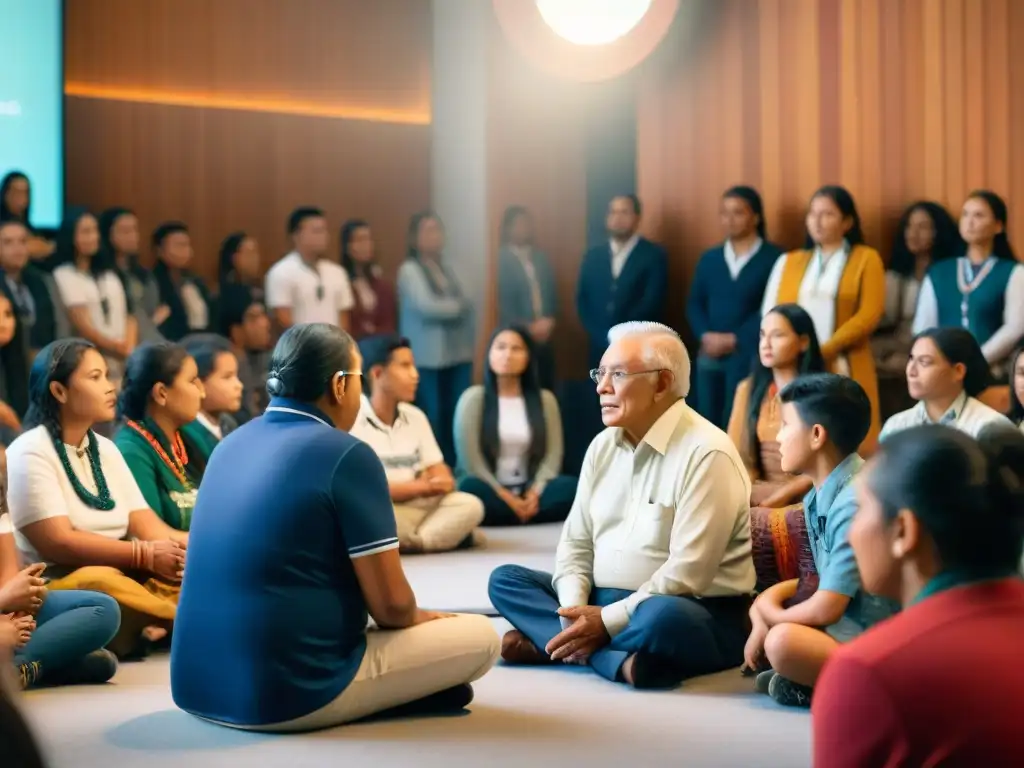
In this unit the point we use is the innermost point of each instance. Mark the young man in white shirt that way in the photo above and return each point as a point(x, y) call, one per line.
point(305, 286)
point(653, 575)
point(431, 515)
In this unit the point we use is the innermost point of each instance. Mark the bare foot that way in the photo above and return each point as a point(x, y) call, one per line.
point(154, 634)
point(517, 648)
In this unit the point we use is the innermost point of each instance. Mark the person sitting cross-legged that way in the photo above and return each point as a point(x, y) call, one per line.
point(825, 417)
point(653, 573)
point(431, 515)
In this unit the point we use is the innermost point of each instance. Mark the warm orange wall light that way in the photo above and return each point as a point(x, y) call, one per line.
point(246, 104)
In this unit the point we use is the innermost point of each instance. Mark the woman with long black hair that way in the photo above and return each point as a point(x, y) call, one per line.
point(1016, 411)
point(983, 289)
point(16, 205)
point(438, 319)
point(119, 239)
point(508, 438)
point(183, 292)
point(925, 235)
point(939, 527)
point(374, 312)
point(161, 393)
point(92, 290)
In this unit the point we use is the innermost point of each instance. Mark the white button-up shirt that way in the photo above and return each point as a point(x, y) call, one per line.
point(671, 517)
point(965, 414)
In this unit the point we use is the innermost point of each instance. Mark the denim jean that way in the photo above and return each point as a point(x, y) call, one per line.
point(71, 624)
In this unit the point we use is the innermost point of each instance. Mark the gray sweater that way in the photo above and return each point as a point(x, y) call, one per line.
point(468, 426)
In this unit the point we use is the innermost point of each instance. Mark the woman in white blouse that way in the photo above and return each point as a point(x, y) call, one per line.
point(946, 372)
point(508, 438)
point(926, 234)
point(75, 506)
point(90, 288)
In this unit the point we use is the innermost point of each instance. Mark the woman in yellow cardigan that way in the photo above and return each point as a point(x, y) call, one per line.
point(841, 283)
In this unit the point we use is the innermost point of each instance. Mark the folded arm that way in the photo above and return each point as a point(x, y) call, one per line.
point(415, 292)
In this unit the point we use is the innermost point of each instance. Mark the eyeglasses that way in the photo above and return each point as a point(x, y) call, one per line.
point(349, 373)
point(597, 374)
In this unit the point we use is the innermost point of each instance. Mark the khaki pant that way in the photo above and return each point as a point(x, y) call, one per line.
point(405, 665)
point(437, 523)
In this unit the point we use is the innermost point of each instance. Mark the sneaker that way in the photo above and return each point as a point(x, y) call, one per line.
point(763, 681)
point(94, 668)
point(789, 694)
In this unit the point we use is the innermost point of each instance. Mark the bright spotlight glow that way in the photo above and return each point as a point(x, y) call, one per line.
point(592, 22)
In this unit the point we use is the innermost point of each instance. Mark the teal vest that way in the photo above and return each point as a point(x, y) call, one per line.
point(985, 303)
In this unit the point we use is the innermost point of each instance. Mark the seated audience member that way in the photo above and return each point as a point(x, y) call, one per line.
point(508, 438)
point(938, 529)
point(162, 393)
point(788, 349)
point(278, 617)
point(724, 307)
point(375, 310)
point(222, 392)
point(983, 290)
point(1016, 410)
point(33, 291)
point(527, 291)
point(824, 418)
point(653, 572)
point(183, 292)
point(305, 286)
point(64, 631)
point(247, 328)
point(14, 365)
point(925, 234)
point(431, 515)
point(15, 205)
point(945, 374)
point(119, 238)
point(93, 293)
point(75, 506)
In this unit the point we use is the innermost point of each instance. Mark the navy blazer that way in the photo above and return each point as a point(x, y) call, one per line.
point(603, 301)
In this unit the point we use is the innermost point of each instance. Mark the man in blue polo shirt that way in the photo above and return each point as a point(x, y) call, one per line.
point(293, 544)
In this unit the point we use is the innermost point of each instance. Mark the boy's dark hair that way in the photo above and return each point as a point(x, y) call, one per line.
point(837, 403)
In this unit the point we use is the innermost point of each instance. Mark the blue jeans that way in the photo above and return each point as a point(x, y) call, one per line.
point(438, 393)
point(71, 624)
point(555, 501)
point(679, 636)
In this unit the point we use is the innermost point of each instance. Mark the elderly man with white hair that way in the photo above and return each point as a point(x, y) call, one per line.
point(653, 574)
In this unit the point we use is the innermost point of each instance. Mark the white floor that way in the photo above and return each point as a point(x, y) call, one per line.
point(521, 716)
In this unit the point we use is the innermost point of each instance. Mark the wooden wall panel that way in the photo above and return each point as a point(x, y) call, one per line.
point(322, 102)
point(895, 99)
point(536, 139)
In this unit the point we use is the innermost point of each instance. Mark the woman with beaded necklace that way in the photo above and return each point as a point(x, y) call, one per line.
point(75, 506)
point(160, 394)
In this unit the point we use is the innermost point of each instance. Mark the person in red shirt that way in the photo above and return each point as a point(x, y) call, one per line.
point(940, 527)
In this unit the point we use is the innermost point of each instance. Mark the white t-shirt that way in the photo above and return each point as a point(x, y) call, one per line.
point(405, 448)
point(102, 296)
point(5, 524)
point(39, 488)
point(514, 438)
point(314, 295)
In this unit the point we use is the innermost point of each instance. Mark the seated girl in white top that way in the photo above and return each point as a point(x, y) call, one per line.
point(946, 372)
point(75, 505)
point(91, 289)
point(508, 438)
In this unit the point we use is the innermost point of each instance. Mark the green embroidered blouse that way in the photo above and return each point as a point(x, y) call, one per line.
point(166, 495)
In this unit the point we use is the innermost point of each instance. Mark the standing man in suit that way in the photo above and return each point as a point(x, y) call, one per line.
point(622, 280)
